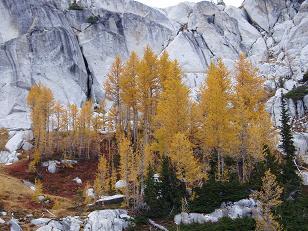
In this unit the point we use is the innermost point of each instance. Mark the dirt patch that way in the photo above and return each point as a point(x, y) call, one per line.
point(61, 183)
point(16, 197)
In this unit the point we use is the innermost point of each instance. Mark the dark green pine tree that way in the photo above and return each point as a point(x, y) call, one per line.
point(290, 179)
point(270, 162)
point(172, 189)
point(152, 195)
point(287, 144)
point(163, 196)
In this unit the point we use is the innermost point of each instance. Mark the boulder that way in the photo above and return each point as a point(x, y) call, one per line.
point(90, 193)
point(3, 213)
point(106, 220)
point(120, 184)
point(14, 225)
point(234, 210)
point(40, 221)
point(41, 198)
point(63, 224)
point(305, 177)
point(77, 180)
point(53, 225)
point(17, 140)
point(29, 184)
point(301, 144)
point(115, 199)
point(8, 157)
point(52, 167)
point(27, 146)
point(74, 223)
point(2, 221)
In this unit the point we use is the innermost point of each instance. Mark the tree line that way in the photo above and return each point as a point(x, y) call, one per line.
point(152, 115)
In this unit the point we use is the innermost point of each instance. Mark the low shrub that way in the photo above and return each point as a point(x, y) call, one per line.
point(305, 77)
point(93, 19)
point(240, 224)
point(293, 214)
point(75, 6)
point(212, 194)
point(297, 93)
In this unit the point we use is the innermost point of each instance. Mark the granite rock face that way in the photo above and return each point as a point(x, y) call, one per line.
point(43, 41)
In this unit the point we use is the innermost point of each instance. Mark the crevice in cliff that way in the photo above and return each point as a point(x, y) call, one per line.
point(90, 76)
point(89, 73)
point(195, 44)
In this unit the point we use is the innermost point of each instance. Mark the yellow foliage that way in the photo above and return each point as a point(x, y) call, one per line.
point(125, 157)
point(87, 199)
point(128, 81)
point(101, 183)
point(269, 196)
point(181, 154)
point(36, 160)
point(38, 190)
point(148, 86)
point(216, 111)
point(112, 88)
point(252, 123)
point(217, 133)
point(41, 102)
point(73, 114)
point(4, 136)
point(164, 68)
point(172, 113)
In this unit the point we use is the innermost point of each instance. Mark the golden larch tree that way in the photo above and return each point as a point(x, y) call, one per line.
point(101, 182)
point(164, 68)
point(148, 89)
point(252, 123)
point(112, 89)
point(270, 197)
point(129, 93)
point(187, 166)
point(41, 101)
point(172, 113)
point(217, 132)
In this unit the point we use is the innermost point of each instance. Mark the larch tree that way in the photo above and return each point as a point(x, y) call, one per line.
point(57, 126)
point(164, 68)
point(73, 126)
point(217, 132)
point(172, 126)
point(112, 89)
point(187, 166)
point(40, 100)
point(173, 111)
point(101, 182)
point(129, 93)
point(4, 137)
point(148, 85)
point(85, 128)
point(125, 162)
point(270, 197)
point(35, 162)
point(252, 123)
point(148, 89)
